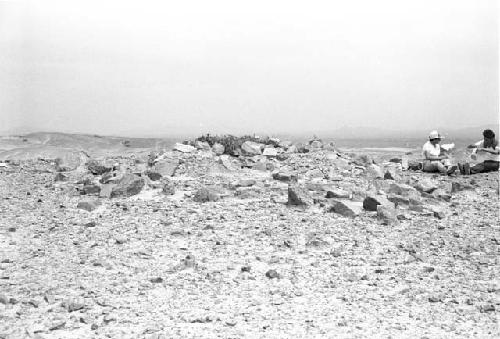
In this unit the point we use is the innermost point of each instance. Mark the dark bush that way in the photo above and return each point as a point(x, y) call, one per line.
point(231, 143)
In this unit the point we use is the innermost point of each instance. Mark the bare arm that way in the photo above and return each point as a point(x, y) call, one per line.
point(434, 157)
point(489, 150)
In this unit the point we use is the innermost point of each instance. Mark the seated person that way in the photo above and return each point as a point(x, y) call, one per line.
point(434, 159)
point(488, 150)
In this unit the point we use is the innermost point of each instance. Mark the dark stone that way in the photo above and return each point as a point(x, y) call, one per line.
point(388, 176)
point(154, 176)
point(127, 186)
point(272, 274)
point(245, 269)
point(348, 209)
point(386, 214)
point(337, 193)
point(299, 196)
point(402, 189)
point(97, 168)
point(60, 177)
point(205, 195)
point(107, 178)
point(246, 183)
point(441, 195)
point(414, 165)
point(90, 189)
point(458, 187)
point(426, 185)
point(371, 202)
point(398, 199)
point(88, 206)
point(439, 215)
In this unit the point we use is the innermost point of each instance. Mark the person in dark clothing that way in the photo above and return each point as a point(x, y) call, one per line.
point(488, 150)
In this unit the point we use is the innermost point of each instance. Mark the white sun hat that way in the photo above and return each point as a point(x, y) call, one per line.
point(435, 135)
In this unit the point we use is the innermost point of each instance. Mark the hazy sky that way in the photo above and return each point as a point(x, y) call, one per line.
point(246, 66)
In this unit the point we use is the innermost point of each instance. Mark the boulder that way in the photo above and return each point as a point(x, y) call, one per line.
point(337, 193)
point(362, 160)
point(359, 194)
point(301, 148)
point(88, 205)
point(106, 190)
point(441, 194)
point(270, 152)
point(299, 196)
point(426, 185)
point(315, 173)
point(60, 177)
point(282, 156)
point(203, 145)
point(317, 186)
point(402, 189)
point(275, 141)
point(387, 214)
point(218, 149)
point(261, 166)
point(226, 161)
point(97, 168)
point(292, 149)
point(69, 160)
point(398, 199)
point(285, 144)
point(315, 144)
point(245, 183)
point(252, 148)
point(154, 176)
point(90, 189)
point(166, 167)
point(204, 194)
point(389, 176)
point(247, 192)
point(106, 178)
point(346, 208)
point(330, 147)
point(415, 205)
point(184, 148)
point(341, 164)
point(168, 189)
point(439, 214)
point(330, 156)
point(85, 181)
point(374, 171)
point(284, 176)
point(127, 186)
point(458, 187)
point(371, 202)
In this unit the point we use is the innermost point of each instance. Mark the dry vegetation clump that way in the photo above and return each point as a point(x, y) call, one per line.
point(231, 143)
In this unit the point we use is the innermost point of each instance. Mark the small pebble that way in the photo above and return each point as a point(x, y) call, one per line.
point(271, 274)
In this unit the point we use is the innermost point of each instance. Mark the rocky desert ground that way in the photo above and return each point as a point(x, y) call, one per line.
point(281, 241)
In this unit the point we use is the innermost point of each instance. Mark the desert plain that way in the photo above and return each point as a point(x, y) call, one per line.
point(104, 238)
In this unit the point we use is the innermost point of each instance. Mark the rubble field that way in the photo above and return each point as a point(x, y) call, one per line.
point(277, 242)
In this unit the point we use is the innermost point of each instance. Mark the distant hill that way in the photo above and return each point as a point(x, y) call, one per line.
point(84, 141)
point(381, 133)
point(50, 145)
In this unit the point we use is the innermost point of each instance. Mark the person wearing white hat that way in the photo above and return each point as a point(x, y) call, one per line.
point(434, 158)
